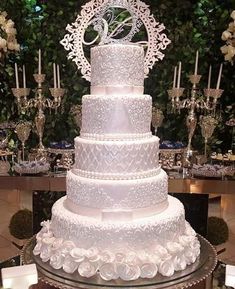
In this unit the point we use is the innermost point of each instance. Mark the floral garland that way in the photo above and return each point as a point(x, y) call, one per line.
point(8, 41)
point(229, 36)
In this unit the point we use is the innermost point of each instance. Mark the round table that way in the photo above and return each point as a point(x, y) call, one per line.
point(192, 275)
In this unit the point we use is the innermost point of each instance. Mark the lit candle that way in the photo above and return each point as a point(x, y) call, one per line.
point(16, 75)
point(174, 81)
point(196, 64)
point(219, 76)
point(39, 62)
point(209, 79)
point(58, 75)
point(54, 75)
point(24, 77)
point(179, 75)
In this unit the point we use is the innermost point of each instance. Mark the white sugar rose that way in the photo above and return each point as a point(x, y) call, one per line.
point(48, 241)
point(67, 248)
point(233, 15)
point(69, 266)
point(57, 244)
point(148, 270)
point(189, 256)
point(128, 272)
point(45, 254)
point(108, 272)
point(120, 257)
point(48, 234)
point(107, 257)
point(56, 261)
point(226, 35)
point(189, 230)
point(166, 268)
point(86, 269)
point(161, 252)
point(143, 256)
point(179, 262)
point(155, 259)
point(185, 240)
point(78, 254)
point(37, 248)
point(174, 248)
point(131, 258)
point(92, 254)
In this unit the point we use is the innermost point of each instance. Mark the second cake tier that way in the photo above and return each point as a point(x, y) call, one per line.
point(117, 159)
point(115, 199)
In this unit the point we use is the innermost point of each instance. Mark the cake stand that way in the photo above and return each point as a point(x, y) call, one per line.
point(193, 274)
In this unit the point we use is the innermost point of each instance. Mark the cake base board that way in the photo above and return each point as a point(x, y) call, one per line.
point(192, 275)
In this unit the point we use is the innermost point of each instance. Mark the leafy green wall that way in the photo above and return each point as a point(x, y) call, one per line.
point(191, 25)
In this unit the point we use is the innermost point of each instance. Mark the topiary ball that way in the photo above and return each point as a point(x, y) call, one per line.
point(21, 224)
point(217, 232)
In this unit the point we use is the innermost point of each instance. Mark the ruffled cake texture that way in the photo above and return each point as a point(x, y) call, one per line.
point(117, 220)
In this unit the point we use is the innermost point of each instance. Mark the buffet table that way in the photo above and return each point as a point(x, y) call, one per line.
point(177, 185)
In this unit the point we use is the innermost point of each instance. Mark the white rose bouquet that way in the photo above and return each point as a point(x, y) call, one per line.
point(8, 41)
point(229, 36)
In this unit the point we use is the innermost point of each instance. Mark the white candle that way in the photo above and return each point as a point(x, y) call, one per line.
point(24, 77)
point(39, 62)
point(219, 76)
point(209, 79)
point(179, 75)
point(58, 75)
point(196, 64)
point(16, 75)
point(174, 81)
point(54, 75)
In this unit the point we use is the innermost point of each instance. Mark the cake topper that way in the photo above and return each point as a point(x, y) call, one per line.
point(114, 21)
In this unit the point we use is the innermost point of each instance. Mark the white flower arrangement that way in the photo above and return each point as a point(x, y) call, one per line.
point(229, 36)
point(8, 41)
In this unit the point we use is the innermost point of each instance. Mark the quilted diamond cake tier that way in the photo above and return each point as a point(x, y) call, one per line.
point(116, 157)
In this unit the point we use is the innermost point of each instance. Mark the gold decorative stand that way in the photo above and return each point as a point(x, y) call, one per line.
point(193, 275)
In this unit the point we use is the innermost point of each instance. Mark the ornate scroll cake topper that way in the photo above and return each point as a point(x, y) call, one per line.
point(111, 27)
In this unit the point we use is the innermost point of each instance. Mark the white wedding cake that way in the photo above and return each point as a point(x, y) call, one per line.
point(117, 219)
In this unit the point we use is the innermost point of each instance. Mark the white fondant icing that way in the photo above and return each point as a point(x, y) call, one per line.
point(114, 157)
point(117, 194)
point(117, 220)
point(126, 69)
point(142, 255)
point(116, 90)
point(116, 114)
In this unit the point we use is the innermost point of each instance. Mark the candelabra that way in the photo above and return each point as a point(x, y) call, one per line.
point(40, 102)
point(195, 102)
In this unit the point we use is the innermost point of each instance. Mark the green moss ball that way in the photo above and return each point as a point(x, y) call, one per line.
point(21, 224)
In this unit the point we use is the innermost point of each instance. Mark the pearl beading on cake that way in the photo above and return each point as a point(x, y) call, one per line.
point(117, 176)
point(115, 137)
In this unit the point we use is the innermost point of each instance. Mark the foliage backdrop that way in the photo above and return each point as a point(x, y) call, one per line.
point(191, 25)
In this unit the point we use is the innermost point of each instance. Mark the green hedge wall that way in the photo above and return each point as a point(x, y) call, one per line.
point(191, 25)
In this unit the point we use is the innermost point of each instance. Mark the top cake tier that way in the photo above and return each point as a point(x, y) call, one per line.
point(117, 65)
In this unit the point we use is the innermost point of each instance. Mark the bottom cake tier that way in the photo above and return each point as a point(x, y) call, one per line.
point(141, 248)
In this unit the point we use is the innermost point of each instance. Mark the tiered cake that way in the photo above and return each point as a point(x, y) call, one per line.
point(117, 219)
